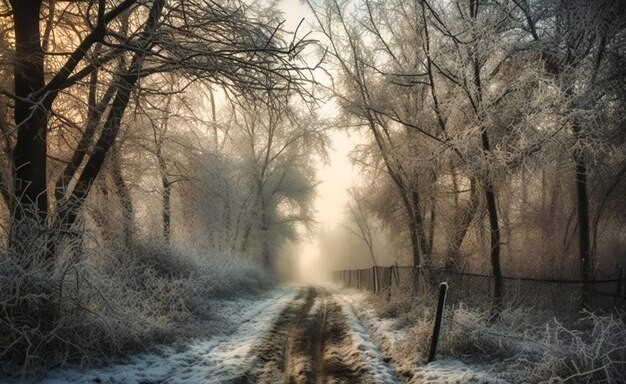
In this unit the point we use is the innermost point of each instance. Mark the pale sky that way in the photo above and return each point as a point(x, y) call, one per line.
point(338, 175)
point(335, 177)
point(294, 12)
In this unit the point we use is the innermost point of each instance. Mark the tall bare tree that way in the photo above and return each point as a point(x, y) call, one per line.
point(581, 45)
point(223, 44)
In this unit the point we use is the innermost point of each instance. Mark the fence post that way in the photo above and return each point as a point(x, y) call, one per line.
point(375, 275)
point(621, 280)
point(416, 278)
point(397, 276)
point(443, 290)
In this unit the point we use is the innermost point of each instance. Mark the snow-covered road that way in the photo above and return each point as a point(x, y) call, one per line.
point(317, 339)
point(291, 335)
point(216, 359)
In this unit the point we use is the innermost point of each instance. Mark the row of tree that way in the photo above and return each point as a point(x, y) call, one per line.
point(173, 121)
point(499, 126)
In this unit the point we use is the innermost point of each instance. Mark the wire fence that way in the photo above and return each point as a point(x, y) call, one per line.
point(561, 295)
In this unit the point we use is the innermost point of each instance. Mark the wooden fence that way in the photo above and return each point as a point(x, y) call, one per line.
point(471, 288)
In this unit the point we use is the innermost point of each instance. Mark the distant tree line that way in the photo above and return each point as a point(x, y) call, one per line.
point(499, 127)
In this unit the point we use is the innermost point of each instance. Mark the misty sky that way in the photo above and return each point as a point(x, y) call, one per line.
point(335, 177)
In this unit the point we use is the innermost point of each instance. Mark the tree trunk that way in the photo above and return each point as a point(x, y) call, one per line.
point(584, 243)
point(6, 189)
point(463, 227)
point(29, 154)
point(126, 83)
point(245, 238)
point(415, 245)
point(490, 194)
point(431, 226)
point(494, 235)
point(69, 207)
point(125, 200)
point(418, 221)
point(167, 196)
point(94, 114)
point(265, 241)
point(494, 227)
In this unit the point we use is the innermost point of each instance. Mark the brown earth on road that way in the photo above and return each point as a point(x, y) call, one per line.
point(310, 343)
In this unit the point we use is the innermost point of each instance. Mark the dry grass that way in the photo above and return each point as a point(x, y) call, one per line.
point(523, 345)
point(92, 305)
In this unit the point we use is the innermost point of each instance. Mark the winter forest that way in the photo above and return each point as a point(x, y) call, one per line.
point(269, 191)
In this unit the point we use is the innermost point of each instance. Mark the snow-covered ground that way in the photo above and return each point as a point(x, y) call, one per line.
point(377, 364)
point(309, 332)
point(215, 359)
point(452, 371)
point(388, 338)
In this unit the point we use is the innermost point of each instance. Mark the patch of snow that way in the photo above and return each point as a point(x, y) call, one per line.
point(215, 359)
point(383, 331)
point(452, 371)
point(316, 307)
point(381, 371)
point(388, 338)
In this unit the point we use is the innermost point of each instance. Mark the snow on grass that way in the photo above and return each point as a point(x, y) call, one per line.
point(377, 364)
point(396, 340)
point(383, 330)
point(216, 359)
point(452, 371)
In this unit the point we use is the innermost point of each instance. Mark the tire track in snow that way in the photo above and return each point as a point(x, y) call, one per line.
point(316, 340)
point(382, 367)
point(274, 356)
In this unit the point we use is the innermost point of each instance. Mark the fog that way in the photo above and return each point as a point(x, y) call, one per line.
point(157, 153)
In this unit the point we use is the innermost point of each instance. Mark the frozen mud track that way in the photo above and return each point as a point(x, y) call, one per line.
point(290, 335)
point(310, 342)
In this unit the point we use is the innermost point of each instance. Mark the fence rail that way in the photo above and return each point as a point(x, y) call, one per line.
point(560, 294)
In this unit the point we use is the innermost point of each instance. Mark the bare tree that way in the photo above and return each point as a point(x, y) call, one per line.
point(359, 217)
point(218, 43)
point(364, 104)
point(436, 84)
point(278, 145)
point(581, 46)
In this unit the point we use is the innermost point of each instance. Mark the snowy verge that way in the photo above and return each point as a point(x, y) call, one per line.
point(393, 338)
point(520, 346)
point(376, 362)
point(215, 359)
point(448, 370)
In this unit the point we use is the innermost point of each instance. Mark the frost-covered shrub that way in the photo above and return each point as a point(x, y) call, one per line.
point(472, 331)
point(165, 260)
point(89, 306)
point(596, 353)
point(412, 314)
point(521, 345)
point(592, 351)
point(26, 289)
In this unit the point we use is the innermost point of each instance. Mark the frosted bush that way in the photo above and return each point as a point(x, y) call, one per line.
point(595, 354)
point(103, 303)
point(522, 345)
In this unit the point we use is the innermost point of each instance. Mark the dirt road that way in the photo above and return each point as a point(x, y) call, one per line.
point(310, 342)
point(289, 335)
